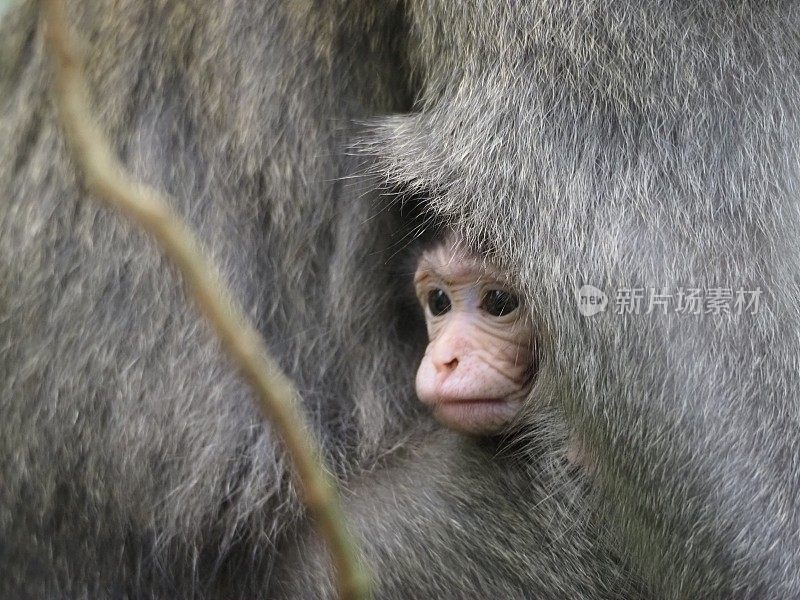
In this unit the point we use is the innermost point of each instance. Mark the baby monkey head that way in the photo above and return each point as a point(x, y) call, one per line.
point(478, 366)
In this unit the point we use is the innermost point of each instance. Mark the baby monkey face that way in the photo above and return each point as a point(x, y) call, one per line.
point(477, 368)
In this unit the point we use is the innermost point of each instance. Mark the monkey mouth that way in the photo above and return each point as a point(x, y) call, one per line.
point(477, 416)
point(472, 401)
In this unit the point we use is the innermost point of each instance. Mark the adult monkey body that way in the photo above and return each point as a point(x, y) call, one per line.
point(622, 145)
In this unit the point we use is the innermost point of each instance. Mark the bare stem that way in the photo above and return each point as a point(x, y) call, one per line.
point(107, 179)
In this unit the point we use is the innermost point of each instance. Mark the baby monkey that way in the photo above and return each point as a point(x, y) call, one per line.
point(478, 366)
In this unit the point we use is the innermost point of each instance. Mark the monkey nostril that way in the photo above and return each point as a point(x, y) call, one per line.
point(445, 365)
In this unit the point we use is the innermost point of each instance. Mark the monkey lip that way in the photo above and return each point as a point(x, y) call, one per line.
point(475, 415)
point(473, 404)
point(456, 400)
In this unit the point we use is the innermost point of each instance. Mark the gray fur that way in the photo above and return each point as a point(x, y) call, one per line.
point(619, 143)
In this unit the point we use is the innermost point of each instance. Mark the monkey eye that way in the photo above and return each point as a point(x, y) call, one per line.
point(438, 302)
point(499, 302)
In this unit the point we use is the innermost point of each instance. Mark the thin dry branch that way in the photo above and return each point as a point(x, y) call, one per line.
point(107, 179)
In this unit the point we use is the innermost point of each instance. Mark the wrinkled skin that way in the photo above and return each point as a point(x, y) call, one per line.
point(619, 144)
point(478, 365)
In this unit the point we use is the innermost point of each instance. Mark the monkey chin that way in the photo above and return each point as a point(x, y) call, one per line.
point(476, 417)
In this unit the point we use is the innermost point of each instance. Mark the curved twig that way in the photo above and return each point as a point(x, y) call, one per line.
point(107, 179)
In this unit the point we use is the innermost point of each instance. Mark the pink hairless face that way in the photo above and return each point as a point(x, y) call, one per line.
point(477, 367)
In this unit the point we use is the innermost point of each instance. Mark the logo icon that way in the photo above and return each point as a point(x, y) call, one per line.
point(591, 300)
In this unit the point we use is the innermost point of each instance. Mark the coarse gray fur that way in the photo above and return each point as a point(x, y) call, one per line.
point(621, 144)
